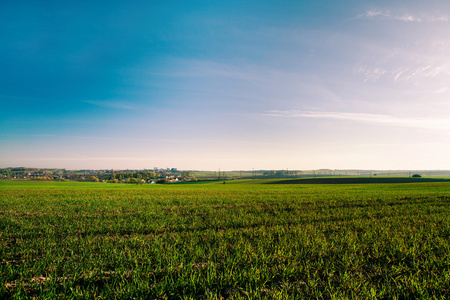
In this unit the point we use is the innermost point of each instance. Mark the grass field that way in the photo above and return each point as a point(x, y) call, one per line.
point(243, 239)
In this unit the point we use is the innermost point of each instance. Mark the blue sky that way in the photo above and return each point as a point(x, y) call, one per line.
point(225, 84)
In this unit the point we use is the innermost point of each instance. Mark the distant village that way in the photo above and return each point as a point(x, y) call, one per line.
point(152, 176)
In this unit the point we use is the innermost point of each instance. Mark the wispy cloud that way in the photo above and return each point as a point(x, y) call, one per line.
point(110, 104)
point(442, 90)
point(404, 17)
point(370, 74)
point(387, 120)
point(414, 71)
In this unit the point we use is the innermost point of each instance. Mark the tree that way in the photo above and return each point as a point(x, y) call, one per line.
point(92, 179)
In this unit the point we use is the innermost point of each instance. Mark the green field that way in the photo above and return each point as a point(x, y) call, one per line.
point(240, 240)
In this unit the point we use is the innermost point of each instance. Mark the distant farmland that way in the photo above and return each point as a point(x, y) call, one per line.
point(244, 239)
point(358, 180)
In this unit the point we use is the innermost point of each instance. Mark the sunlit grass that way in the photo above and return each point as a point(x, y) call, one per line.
point(242, 239)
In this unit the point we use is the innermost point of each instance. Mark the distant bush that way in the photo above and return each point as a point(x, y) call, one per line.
point(92, 179)
point(416, 176)
point(133, 180)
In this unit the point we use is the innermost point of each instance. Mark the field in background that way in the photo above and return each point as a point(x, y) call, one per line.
point(242, 239)
point(359, 180)
point(279, 174)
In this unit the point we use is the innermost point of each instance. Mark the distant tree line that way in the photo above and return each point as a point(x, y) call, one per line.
point(122, 176)
point(281, 173)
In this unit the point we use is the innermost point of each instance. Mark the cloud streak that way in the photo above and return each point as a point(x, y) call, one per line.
point(405, 17)
point(403, 73)
point(387, 120)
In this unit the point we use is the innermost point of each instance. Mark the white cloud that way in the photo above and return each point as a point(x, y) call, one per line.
point(370, 74)
point(421, 72)
point(371, 13)
point(404, 17)
point(388, 120)
point(413, 72)
point(415, 64)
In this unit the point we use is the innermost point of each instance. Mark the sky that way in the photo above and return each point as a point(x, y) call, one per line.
point(235, 85)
